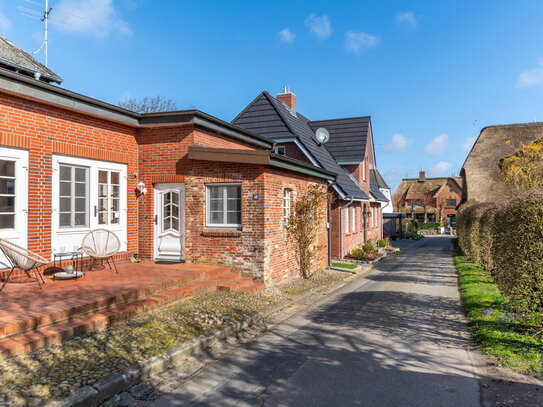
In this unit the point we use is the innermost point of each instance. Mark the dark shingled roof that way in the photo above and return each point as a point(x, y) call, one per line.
point(270, 118)
point(348, 137)
point(15, 59)
point(378, 179)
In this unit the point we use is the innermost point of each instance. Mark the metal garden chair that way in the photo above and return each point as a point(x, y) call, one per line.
point(22, 259)
point(101, 245)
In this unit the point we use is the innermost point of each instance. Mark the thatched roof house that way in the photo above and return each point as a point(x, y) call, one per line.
point(481, 170)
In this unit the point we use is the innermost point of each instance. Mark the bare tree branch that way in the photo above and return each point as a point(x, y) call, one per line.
point(149, 104)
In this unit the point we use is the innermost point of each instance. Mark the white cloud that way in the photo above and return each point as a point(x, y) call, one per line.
point(408, 18)
point(438, 145)
point(398, 143)
point(531, 77)
point(99, 18)
point(441, 168)
point(468, 143)
point(359, 41)
point(5, 23)
point(320, 27)
point(286, 35)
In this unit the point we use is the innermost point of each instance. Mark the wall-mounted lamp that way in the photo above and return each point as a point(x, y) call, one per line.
point(141, 188)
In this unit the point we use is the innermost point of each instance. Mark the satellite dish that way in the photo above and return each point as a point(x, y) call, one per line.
point(322, 135)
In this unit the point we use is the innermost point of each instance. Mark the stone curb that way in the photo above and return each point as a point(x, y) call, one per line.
point(104, 389)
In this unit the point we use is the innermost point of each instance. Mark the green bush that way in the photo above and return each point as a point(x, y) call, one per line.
point(358, 254)
point(417, 236)
point(368, 247)
point(430, 225)
point(507, 239)
point(383, 242)
point(410, 228)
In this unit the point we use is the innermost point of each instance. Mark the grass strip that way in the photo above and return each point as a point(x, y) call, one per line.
point(493, 322)
point(349, 266)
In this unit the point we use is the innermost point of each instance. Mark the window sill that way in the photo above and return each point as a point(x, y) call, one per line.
point(221, 233)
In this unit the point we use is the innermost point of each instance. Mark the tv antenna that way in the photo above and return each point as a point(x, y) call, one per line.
point(45, 16)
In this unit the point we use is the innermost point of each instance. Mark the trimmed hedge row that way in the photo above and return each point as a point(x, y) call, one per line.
point(430, 225)
point(507, 239)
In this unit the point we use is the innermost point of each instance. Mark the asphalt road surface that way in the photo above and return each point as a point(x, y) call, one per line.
point(394, 338)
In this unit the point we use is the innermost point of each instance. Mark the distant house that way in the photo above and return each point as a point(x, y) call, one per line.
point(481, 170)
point(429, 199)
point(356, 212)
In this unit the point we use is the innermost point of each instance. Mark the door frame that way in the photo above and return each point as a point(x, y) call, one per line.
point(158, 188)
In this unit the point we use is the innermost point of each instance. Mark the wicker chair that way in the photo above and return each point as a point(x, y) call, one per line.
point(22, 259)
point(101, 245)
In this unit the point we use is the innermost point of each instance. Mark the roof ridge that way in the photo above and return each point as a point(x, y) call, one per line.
point(272, 101)
point(247, 107)
point(341, 118)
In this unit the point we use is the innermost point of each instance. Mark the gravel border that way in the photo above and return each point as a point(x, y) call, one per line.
point(104, 389)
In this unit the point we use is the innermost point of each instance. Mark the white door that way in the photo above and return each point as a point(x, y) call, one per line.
point(169, 222)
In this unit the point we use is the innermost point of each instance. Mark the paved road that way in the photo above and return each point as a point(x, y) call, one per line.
point(394, 338)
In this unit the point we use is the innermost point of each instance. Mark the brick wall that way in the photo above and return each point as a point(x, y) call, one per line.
point(44, 131)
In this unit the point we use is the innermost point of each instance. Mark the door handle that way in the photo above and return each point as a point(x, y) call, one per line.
point(156, 219)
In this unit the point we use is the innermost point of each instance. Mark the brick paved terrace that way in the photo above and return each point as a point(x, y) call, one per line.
point(32, 318)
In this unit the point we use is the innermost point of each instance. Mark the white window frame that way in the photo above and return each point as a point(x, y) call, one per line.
point(280, 150)
point(347, 223)
point(109, 198)
point(353, 219)
point(70, 237)
point(207, 205)
point(19, 233)
point(72, 196)
point(287, 205)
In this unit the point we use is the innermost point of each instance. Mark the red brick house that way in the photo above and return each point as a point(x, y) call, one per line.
point(216, 192)
point(355, 214)
point(429, 199)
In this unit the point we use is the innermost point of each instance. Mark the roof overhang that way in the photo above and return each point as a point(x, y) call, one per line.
point(31, 89)
point(258, 157)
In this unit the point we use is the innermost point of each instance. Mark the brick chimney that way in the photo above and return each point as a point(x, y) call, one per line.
point(288, 97)
point(422, 176)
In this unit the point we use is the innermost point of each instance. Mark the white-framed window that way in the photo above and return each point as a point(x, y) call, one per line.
point(347, 223)
point(353, 219)
point(13, 198)
point(223, 205)
point(280, 150)
point(7, 194)
point(287, 202)
point(87, 194)
point(109, 197)
point(73, 196)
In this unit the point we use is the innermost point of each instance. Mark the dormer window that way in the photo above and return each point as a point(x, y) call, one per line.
point(279, 150)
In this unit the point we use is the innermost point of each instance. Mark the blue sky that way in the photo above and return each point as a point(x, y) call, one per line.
point(431, 74)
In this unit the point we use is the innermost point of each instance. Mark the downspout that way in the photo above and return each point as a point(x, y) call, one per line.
point(341, 225)
point(329, 224)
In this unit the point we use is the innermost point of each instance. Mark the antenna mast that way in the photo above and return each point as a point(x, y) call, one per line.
point(44, 17)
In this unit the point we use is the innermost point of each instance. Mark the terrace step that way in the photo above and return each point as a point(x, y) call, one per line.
point(105, 303)
point(237, 284)
point(54, 334)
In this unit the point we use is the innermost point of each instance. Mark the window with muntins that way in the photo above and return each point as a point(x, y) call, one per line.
point(287, 202)
point(7, 194)
point(224, 205)
point(109, 197)
point(74, 196)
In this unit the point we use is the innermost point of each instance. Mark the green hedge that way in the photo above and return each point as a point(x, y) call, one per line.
point(507, 239)
point(430, 225)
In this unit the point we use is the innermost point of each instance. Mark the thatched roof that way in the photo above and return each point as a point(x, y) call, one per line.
point(412, 188)
point(481, 170)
